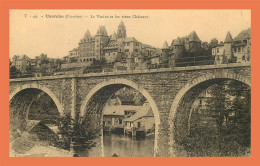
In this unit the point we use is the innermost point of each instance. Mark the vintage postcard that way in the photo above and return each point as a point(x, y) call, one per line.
point(130, 83)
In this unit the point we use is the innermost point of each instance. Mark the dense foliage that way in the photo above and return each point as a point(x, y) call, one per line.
point(225, 130)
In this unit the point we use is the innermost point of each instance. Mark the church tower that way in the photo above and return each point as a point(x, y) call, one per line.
point(121, 30)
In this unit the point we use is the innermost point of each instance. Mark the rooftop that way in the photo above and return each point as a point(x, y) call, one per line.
point(165, 44)
point(144, 111)
point(193, 37)
point(130, 39)
point(245, 34)
point(228, 38)
point(121, 23)
point(119, 110)
point(102, 31)
point(177, 42)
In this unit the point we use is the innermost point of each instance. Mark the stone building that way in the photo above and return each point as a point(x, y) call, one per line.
point(73, 55)
point(140, 123)
point(91, 47)
point(21, 62)
point(242, 46)
point(181, 50)
point(113, 116)
point(165, 54)
point(233, 50)
point(223, 51)
point(194, 42)
point(117, 49)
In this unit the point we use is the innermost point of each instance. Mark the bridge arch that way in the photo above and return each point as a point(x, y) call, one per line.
point(42, 88)
point(203, 81)
point(144, 92)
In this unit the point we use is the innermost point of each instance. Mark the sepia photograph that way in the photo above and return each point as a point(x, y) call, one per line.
point(130, 83)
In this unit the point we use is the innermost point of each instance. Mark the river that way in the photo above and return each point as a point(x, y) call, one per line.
point(127, 146)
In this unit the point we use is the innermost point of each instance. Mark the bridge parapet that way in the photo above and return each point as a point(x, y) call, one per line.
point(132, 72)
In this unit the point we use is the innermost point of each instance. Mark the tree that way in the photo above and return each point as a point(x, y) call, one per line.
point(96, 66)
point(78, 134)
point(241, 105)
point(228, 105)
point(218, 103)
point(14, 72)
point(213, 42)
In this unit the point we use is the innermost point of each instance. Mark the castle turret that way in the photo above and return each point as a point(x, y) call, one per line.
point(165, 45)
point(228, 47)
point(87, 34)
point(178, 51)
point(121, 30)
point(194, 42)
point(165, 54)
point(101, 39)
point(113, 37)
point(178, 48)
point(101, 31)
point(86, 37)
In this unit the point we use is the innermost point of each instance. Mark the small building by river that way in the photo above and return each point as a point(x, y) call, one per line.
point(129, 119)
point(141, 123)
point(113, 116)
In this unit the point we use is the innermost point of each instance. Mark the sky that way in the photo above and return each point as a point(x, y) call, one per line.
point(32, 32)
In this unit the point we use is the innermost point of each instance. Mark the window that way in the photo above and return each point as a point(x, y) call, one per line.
point(217, 50)
point(139, 124)
point(200, 102)
point(136, 50)
point(239, 49)
point(243, 58)
point(120, 121)
point(126, 50)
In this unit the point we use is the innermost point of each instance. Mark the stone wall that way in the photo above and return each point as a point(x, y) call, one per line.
point(163, 87)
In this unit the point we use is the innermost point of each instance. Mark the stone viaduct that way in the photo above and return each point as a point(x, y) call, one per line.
point(170, 93)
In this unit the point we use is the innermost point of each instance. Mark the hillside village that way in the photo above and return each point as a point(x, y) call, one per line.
point(118, 52)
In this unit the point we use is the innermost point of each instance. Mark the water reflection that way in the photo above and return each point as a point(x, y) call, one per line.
point(127, 146)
